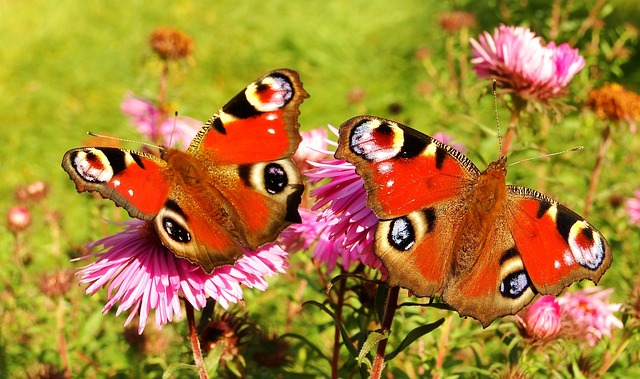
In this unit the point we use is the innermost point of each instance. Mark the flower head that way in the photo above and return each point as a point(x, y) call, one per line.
point(540, 321)
point(34, 191)
point(349, 224)
point(142, 275)
point(312, 148)
point(154, 123)
point(633, 207)
point(18, 219)
point(616, 103)
point(456, 20)
point(171, 44)
point(587, 314)
point(517, 60)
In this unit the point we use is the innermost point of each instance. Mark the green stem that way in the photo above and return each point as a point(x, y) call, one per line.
point(335, 361)
point(391, 305)
point(605, 142)
point(195, 342)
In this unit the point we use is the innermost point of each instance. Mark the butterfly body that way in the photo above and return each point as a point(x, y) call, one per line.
point(448, 229)
point(235, 188)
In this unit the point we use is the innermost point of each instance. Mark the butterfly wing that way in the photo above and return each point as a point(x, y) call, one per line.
point(248, 184)
point(415, 185)
point(403, 169)
point(122, 176)
point(125, 177)
point(558, 247)
point(259, 124)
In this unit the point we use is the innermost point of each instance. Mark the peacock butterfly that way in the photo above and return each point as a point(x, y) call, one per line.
point(236, 186)
point(448, 229)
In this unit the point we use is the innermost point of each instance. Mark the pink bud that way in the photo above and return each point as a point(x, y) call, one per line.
point(18, 219)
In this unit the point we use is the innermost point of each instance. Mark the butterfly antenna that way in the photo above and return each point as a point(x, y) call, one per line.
point(495, 111)
point(125, 140)
point(175, 122)
point(548, 155)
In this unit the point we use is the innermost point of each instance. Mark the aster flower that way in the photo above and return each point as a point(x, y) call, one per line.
point(588, 315)
point(540, 321)
point(350, 224)
point(302, 236)
point(171, 43)
point(312, 148)
point(152, 122)
point(142, 275)
point(516, 58)
point(456, 20)
point(18, 219)
point(614, 102)
point(633, 207)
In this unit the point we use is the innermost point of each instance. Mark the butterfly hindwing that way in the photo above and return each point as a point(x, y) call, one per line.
point(557, 245)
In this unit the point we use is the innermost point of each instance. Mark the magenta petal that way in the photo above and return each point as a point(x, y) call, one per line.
point(142, 275)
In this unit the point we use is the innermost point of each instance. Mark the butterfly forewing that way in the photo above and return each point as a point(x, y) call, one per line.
point(403, 169)
point(259, 124)
point(120, 175)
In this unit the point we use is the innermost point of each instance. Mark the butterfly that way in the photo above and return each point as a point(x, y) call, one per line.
point(446, 228)
point(235, 187)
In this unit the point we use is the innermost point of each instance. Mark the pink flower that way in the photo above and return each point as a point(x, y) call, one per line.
point(18, 219)
point(350, 224)
point(540, 321)
point(448, 140)
point(154, 123)
point(633, 207)
point(587, 314)
point(301, 236)
point(313, 148)
point(142, 275)
point(516, 59)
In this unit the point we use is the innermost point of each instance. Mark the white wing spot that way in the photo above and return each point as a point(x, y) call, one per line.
point(130, 192)
point(384, 168)
point(271, 131)
point(116, 183)
point(390, 183)
point(588, 256)
point(557, 264)
point(272, 116)
point(568, 258)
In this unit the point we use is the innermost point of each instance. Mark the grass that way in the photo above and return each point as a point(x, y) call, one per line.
point(67, 65)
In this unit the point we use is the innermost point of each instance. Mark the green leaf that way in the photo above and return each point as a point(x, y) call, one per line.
point(412, 336)
point(373, 339)
point(343, 331)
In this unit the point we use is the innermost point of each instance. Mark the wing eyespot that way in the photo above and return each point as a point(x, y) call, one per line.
point(275, 178)
point(402, 235)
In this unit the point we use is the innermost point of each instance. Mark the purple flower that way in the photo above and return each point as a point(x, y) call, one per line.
point(588, 315)
point(541, 320)
point(154, 123)
point(301, 236)
point(633, 207)
point(517, 60)
point(349, 224)
point(142, 275)
point(448, 140)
